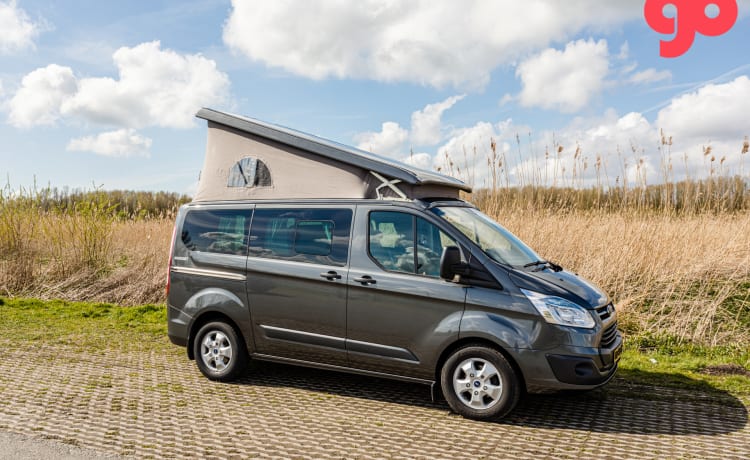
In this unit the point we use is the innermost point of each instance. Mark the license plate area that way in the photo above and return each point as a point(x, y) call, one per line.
point(616, 353)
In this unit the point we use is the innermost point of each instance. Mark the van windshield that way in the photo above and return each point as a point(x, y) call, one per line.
point(497, 242)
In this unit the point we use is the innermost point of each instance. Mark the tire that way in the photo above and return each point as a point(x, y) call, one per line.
point(220, 352)
point(493, 387)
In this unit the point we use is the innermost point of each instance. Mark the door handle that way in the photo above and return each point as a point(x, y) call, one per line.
point(330, 276)
point(365, 280)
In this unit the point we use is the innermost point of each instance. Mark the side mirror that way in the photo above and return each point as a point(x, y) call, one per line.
point(450, 263)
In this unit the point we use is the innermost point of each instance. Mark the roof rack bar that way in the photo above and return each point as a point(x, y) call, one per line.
point(391, 184)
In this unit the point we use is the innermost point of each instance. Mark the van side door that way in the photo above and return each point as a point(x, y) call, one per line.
point(401, 314)
point(297, 269)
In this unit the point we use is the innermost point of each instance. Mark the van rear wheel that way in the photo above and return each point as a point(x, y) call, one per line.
point(479, 383)
point(219, 352)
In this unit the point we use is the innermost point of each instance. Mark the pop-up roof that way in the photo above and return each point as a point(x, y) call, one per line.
point(247, 158)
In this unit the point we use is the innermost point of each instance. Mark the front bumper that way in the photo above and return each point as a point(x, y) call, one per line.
point(577, 370)
point(570, 367)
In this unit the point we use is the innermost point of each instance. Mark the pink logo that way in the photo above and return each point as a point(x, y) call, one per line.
point(690, 17)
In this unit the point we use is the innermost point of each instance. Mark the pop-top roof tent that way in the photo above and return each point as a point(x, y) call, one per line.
point(252, 159)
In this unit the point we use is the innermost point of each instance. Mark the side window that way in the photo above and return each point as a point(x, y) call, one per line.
point(405, 243)
point(430, 244)
point(319, 236)
point(314, 237)
point(392, 240)
point(249, 172)
point(221, 231)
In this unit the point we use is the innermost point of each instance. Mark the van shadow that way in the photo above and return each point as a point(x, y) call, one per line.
point(623, 406)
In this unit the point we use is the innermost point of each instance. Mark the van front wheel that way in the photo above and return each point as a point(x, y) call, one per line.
point(219, 352)
point(479, 383)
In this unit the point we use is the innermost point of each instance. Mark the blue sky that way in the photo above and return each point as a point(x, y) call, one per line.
point(103, 93)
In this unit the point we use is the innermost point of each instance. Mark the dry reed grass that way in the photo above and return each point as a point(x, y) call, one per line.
point(81, 249)
point(132, 270)
point(687, 277)
point(135, 271)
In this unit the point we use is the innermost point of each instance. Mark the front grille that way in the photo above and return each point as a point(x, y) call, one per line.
point(609, 336)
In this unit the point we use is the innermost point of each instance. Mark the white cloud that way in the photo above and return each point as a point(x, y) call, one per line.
point(609, 149)
point(426, 130)
point(467, 139)
point(607, 133)
point(650, 76)
point(42, 92)
point(465, 155)
point(119, 143)
point(506, 99)
point(431, 42)
point(714, 112)
point(714, 115)
point(624, 51)
point(389, 141)
point(610, 146)
point(426, 127)
point(564, 80)
point(420, 160)
point(628, 147)
point(155, 88)
point(18, 31)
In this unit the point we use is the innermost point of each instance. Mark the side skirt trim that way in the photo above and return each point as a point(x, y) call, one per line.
point(331, 367)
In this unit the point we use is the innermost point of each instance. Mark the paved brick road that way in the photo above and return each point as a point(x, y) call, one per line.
point(156, 404)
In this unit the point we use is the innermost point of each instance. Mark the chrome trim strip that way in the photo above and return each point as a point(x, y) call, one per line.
point(308, 338)
point(211, 273)
point(352, 346)
point(382, 351)
point(332, 367)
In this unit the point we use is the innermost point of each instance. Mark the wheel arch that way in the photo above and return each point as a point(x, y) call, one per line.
point(208, 317)
point(476, 341)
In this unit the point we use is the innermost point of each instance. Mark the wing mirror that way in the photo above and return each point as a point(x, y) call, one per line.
point(451, 264)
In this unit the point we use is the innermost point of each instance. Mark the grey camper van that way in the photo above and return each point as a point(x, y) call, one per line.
point(300, 250)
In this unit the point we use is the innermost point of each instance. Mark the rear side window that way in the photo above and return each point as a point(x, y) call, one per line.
point(319, 236)
point(220, 231)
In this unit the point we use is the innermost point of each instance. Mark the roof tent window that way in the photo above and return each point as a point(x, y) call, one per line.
point(249, 172)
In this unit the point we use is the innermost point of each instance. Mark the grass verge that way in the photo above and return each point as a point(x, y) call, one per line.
point(82, 325)
point(696, 373)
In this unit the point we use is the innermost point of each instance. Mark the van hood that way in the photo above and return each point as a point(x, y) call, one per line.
point(563, 284)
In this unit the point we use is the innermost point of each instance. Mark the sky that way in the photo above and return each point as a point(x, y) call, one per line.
point(103, 94)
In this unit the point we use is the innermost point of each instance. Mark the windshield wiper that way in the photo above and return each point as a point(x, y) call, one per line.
point(532, 264)
point(551, 265)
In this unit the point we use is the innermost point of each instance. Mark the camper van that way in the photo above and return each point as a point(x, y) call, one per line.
point(300, 250)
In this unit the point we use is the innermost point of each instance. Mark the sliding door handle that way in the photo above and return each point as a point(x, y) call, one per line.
point(330, 276)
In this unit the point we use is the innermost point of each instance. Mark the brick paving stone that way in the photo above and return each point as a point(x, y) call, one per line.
point(155, 404)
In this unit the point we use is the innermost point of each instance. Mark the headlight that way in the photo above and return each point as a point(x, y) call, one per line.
point(557, 310)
